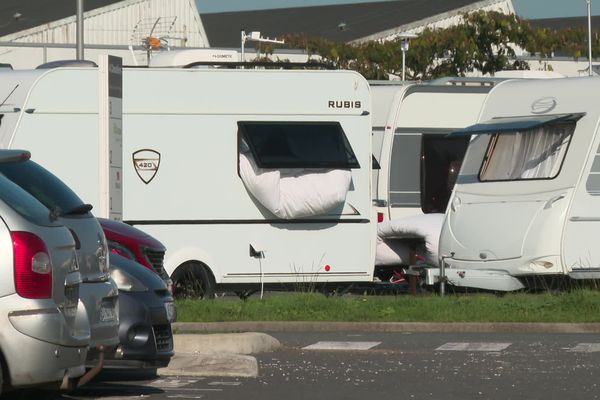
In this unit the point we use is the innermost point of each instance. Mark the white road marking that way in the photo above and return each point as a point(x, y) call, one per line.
point(184, 396)
point(224, 383)
point(142, 396)
point(473, 346)
point(586, 348)
point(172, 383)
point(342, 346)
point(192, 389)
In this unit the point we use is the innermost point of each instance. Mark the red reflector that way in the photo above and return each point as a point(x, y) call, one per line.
point(379, 217)
point(32, 266)
point(327, 268)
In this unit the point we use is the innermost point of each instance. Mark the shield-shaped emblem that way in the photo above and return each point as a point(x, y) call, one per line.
point(146, 163)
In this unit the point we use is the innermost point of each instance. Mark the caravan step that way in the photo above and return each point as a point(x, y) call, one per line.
point(585, 273)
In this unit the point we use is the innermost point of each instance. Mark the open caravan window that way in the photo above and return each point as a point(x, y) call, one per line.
point(296, 169)
point(524, 148)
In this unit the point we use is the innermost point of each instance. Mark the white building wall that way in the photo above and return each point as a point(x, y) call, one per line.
point(120, 24)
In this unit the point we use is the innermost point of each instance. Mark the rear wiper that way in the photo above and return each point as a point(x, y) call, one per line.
point(80, 209)
point(54, 213)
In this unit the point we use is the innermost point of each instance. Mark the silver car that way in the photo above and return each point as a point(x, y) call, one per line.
point(98, 292)
point(44, 329)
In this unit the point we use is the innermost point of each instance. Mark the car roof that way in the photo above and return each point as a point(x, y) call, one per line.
point(14, 155)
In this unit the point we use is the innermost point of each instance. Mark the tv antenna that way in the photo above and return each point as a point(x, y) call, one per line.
point(254, 36)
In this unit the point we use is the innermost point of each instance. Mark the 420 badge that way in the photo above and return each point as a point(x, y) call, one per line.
point(146, 163)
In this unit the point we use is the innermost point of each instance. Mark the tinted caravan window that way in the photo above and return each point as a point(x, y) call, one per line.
point(298, 144)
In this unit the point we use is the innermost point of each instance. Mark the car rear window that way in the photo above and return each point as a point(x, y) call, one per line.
point(41, 184)
point(23, 203)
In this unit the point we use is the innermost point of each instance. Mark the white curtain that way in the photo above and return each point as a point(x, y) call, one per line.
point(532, 154)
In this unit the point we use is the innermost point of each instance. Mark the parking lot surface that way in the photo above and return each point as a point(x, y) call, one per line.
point(336, 365)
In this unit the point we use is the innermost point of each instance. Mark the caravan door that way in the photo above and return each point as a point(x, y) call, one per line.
point(581, 252)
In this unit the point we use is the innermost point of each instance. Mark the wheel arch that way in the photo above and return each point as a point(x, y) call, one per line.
point(192, 255)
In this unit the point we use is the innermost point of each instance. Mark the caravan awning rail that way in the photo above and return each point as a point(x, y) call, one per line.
point(512, 124)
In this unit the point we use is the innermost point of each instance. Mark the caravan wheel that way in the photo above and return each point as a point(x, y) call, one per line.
point(193, 280)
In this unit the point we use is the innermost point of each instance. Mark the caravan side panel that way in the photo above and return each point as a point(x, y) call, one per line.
point(61, 112)
point(194, 200)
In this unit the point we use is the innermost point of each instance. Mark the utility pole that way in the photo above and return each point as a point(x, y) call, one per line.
point(589, 10)
point(79, 30)
point(404, 45)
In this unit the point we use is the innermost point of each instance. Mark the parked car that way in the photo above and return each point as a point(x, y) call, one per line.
point(44, 328)
point(98, 292)
point(146, 310)
point(137, 245)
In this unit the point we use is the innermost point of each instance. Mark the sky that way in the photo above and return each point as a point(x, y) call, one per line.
point(525, 8)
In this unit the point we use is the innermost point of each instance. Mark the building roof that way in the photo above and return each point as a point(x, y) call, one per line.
point(38, 12)
point(343, 23)
point(565, 23)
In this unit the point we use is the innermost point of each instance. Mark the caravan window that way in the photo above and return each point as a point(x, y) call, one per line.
point(529, 154)
point(298, 144)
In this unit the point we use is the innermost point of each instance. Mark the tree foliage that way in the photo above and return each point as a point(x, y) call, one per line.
point(485, 42)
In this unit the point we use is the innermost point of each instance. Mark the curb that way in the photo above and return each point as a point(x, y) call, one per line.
point(230, 365)
point(450, 327)
point(229, 343)
point(218, 354)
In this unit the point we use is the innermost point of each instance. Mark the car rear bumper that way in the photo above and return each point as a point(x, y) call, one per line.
point(101, 303)
point(32, 361)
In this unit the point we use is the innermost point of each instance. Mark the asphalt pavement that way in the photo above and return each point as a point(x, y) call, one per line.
point(389, 365)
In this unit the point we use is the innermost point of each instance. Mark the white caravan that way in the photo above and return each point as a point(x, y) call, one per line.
point(248, 177)
point(527, 199)
point(418, 164)
point(418, 161)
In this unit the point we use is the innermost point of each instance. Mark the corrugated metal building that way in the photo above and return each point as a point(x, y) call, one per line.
point(357, 22)
point(45, 30)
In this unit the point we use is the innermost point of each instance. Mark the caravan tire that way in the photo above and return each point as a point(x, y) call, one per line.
point(193, 280)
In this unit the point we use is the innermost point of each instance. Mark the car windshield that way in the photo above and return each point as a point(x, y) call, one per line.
point(44, 186)
point(23, 203)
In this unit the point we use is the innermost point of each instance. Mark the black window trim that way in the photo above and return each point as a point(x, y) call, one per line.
point(242, 134)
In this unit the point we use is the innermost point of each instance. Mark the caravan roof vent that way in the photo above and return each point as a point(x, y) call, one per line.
point(67, 63)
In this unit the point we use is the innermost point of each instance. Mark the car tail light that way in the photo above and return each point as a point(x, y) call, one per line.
point(379, 217)
point(33, 267)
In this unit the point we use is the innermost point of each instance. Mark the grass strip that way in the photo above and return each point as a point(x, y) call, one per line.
point(578, 306)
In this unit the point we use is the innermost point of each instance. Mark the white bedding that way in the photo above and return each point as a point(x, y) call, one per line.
point(394, 238)
point(294, 192)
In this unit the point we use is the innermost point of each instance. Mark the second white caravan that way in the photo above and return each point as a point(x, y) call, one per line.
point(419, 162)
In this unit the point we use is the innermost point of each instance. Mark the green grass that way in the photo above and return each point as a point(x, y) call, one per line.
point(576, 306)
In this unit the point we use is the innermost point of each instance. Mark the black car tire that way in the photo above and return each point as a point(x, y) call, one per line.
point(193, 280)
